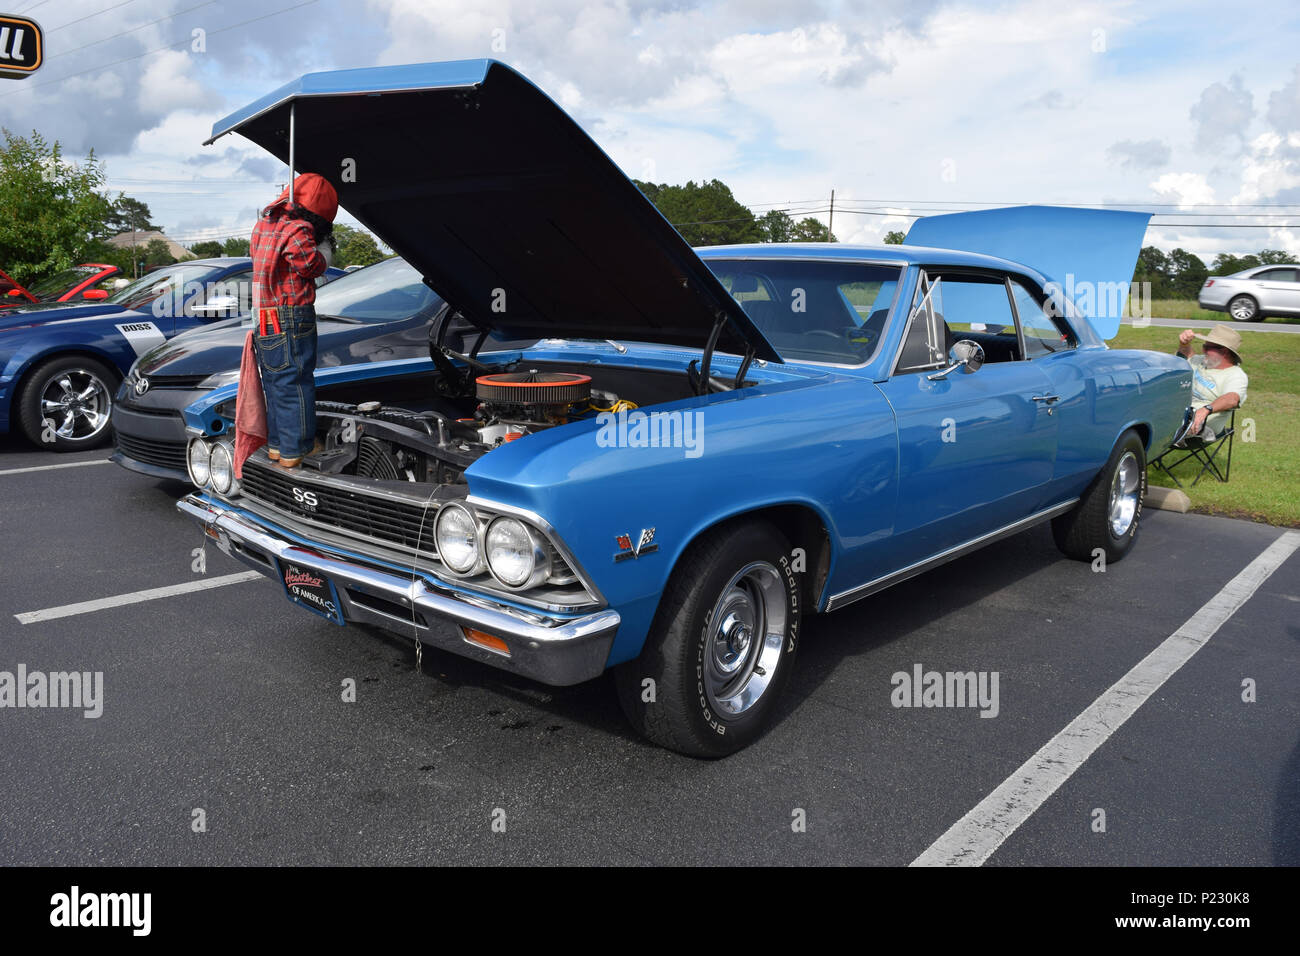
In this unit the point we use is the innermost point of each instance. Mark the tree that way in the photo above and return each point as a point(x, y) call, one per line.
point(210, 249)
point(51, 211)
point(1153, 270)
point(234, 246)
point(1274, 257)
point(131, 215)
point(706, 214)
point(1225, 263)
point(156, 253)
point(812, 230)
point(356, 247)
point(776, 226)
point(1187, 273)
point(894, 237)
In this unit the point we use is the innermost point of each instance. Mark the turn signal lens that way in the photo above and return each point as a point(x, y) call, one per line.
point(485, 640)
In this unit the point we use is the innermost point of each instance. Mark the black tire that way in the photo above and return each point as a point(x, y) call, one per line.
point(89, 425)
point(1090, 525)
point(1247, 306)
point(685, 714)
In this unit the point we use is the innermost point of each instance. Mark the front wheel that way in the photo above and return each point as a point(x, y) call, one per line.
point(67, 402)
point(1106, 517)
point(721, 647)
point(1244, 308)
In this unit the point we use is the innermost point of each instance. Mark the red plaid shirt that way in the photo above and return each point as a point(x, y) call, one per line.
point(285, 261)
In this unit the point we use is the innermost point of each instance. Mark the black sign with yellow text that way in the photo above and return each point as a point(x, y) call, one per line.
point(22, 47)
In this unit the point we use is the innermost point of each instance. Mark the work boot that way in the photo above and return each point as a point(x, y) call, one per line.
point(291, 463)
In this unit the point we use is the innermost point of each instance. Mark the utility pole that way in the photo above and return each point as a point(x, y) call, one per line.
point(830, 228)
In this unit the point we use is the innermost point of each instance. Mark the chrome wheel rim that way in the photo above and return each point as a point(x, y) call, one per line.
point(77, 404)
point(1124, 494)
point(1242, 309)
point(744, 640)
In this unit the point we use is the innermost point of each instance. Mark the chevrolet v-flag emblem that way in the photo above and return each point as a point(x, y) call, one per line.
point(629, 551)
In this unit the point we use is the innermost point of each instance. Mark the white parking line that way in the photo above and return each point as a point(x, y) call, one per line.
point(135, 597)
point(973, 839)
point(69, 464)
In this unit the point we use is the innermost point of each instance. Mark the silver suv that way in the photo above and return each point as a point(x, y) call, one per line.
point(1254, 294)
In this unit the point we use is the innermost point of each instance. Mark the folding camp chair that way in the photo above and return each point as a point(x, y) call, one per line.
point(1206, 452)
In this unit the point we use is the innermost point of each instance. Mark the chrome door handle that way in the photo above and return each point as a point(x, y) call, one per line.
point(1046, 398)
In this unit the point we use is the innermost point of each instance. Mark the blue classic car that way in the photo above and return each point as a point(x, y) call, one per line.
point(60, 364)
point(705, 445)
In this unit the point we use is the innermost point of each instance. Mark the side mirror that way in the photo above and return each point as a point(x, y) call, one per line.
point(15, 292)
point(94, 294)
point(966, 354)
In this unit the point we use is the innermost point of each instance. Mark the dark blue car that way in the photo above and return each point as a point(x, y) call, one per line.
point(375, 314)
point(60, 364)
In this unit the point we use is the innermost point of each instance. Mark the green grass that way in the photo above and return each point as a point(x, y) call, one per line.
point(1264, 484)
point(1188, 309)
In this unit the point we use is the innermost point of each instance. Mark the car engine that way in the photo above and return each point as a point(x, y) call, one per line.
point(436, 445)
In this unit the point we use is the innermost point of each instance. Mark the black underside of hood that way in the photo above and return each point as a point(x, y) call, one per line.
point(509, 210)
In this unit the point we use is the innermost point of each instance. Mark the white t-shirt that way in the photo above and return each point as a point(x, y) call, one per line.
point(1209, 384)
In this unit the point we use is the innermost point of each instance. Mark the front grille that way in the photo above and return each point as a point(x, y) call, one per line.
point(151, 451)
point(378, 518)
point(176, 381)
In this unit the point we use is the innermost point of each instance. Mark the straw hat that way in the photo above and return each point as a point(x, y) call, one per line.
point(1225, 337)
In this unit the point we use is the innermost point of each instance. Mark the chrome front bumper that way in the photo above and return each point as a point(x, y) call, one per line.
point(550, 650)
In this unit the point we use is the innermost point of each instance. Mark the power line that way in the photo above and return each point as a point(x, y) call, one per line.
point(89, 16)
point(913, 210)
point(1104, 205)
point(201, 182)
point(168, 46)
point(170, 16)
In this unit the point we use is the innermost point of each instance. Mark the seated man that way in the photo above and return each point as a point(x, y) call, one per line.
point(1218, 381)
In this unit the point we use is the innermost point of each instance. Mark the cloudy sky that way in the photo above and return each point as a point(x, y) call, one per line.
point(1191, 110)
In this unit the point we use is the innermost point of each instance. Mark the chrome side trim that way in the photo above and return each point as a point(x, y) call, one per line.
point(837, 601)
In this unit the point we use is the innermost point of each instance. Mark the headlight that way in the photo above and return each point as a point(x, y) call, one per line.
point(198, 458)
point(515, 555)
point(217, 379)
point(456, 533)
point(221, 465)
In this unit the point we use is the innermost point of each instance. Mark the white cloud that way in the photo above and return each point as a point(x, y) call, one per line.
point(877, 100)
point(1187, 189)
point(168, 83)
point(1222, 115)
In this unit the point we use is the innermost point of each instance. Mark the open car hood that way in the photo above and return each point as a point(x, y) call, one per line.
point(508, 209)
point(1087, 251)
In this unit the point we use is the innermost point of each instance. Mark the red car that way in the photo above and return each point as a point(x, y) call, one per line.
point(75, 284)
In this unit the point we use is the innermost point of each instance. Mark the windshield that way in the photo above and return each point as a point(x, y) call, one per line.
point(61, 282)
point(384, 292)
point(813, 310)
point(165, 282)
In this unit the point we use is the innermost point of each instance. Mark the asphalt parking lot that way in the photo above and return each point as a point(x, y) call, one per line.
point(229, 700)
